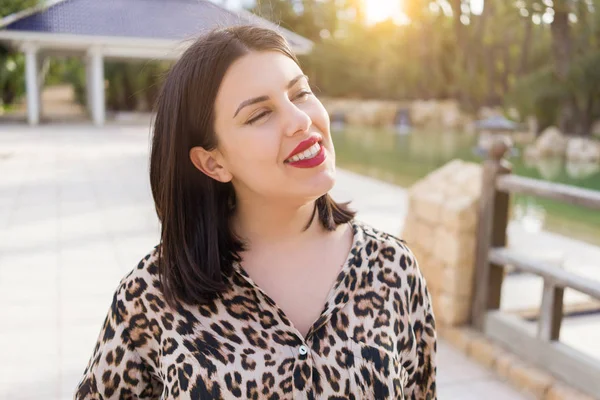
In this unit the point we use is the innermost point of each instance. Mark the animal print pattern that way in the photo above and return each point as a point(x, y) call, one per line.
point(375, 338)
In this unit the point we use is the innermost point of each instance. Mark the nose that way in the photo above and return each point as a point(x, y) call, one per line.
point(296, 120)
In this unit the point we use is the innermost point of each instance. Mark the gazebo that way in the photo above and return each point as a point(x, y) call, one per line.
point(115, 29)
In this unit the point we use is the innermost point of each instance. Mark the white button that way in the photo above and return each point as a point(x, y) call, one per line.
point(302, 350)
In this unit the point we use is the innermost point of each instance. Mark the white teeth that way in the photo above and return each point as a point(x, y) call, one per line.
point(306, 154)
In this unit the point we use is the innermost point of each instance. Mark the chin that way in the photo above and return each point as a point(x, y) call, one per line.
point(325, 185)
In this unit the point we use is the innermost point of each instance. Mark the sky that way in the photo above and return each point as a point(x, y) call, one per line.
point(380, 10)
point(377, 10)
point(476, 6)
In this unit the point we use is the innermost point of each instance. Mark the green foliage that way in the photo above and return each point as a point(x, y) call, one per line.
point(8, 7)
point(70, 70)
point(12, 76)
point(383, 61)
point(538, 94)
point(133, 86)
point(12, 66)
point(541, 92)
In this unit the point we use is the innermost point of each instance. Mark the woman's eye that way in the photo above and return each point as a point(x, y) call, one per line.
point(303, 94)
point(300, 96)
point(256, 118)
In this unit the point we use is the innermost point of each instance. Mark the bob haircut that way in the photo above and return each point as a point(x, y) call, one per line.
point(197, 246)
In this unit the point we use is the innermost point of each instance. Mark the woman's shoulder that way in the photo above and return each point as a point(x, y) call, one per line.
point(142, 282)
point(385, 250)
point(395, 263)
point(375, 239)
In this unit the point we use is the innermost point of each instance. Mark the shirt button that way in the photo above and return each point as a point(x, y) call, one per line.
point(302, 350)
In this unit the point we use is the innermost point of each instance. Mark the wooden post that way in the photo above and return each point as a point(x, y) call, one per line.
point(491, 232)
point(551, 312)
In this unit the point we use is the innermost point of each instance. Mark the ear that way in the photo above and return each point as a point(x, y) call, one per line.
point(210, 162)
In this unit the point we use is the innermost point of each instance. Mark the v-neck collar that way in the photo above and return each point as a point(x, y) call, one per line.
point(332, 303)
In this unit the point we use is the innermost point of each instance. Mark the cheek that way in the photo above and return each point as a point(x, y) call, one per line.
point(253, 148)
point(320, 117)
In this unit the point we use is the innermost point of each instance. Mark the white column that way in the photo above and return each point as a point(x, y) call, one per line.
point(88, 84)
point(31, 83)
point(97, 87)
point(43, 64)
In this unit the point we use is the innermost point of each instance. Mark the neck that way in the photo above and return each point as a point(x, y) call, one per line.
point(260, 221)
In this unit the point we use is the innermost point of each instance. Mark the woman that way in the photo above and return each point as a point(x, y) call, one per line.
point(262, 286)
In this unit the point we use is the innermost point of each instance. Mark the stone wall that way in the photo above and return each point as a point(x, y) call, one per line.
point(552, 143)
point(382, 113)
point(440, 228)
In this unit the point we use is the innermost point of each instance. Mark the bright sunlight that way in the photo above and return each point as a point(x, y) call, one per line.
point(381, 10)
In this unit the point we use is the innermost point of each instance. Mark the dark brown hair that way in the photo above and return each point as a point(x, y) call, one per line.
point(197, 246)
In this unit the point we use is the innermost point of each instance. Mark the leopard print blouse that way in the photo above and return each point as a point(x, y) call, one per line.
point(375, 338)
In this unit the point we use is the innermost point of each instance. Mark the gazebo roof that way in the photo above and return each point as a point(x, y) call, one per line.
point(160, 24)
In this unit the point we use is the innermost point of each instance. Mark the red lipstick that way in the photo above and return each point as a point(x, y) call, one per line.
point(311, 162)
point(303, 145)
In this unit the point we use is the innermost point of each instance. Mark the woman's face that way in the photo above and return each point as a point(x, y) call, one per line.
point(272, 132)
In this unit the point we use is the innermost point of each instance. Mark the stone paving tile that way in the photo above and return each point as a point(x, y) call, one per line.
point(491, 389)
point(22, 317)
point(30, 353)
point(463, 370)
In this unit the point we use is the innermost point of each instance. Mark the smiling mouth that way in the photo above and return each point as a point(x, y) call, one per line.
point(307, 154)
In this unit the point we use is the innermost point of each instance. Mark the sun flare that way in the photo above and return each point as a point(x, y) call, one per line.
point(381, 10)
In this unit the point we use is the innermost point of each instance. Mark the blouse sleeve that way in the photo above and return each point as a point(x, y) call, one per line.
point(423, 384)
point(116, 370)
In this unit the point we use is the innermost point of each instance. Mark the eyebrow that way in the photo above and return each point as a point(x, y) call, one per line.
point(260, 99)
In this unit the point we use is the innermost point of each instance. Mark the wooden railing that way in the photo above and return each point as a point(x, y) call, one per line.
point(541, 348)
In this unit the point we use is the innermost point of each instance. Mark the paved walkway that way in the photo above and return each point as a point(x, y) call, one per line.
point(76, 214)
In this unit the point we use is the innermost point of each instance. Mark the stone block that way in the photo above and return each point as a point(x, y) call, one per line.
point(445, 172)
point(454, 249)
point(473, 188)
point(428, 206)
point(504, 362)
point(551, 143)
point(459, 214)
point(433, 271)
point(434, 294)
point(451, 310)
point(560, 392)
point(419, 190)
point(460, 337)
point(458, 281)
point(451, 191)
point(409, 230)
point(420, 254)
point(484, 351)
point(420, 187)
point(425, 237)
point(469, 172)
point(530, 379)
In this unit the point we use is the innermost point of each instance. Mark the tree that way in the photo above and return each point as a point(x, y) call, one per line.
point(12, 66)
point(8, 7)
point(572, 29)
